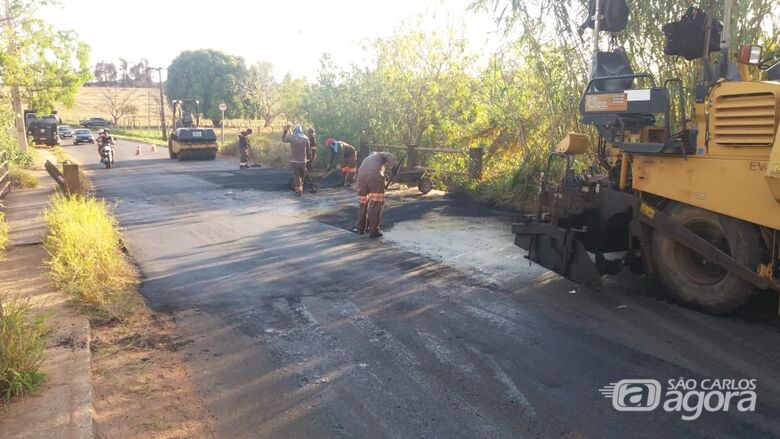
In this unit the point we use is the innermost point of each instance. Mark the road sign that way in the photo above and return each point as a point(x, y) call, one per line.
point(222, 107)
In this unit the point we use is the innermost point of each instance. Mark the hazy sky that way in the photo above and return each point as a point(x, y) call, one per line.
point(290, 34)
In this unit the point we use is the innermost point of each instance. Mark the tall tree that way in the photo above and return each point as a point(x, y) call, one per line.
point(210, 76)
point(261, 93)
point(38, 64)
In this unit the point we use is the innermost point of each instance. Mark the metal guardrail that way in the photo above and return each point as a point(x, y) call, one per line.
point(5, 174)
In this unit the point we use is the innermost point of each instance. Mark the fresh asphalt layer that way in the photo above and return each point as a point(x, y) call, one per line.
point(294, 327)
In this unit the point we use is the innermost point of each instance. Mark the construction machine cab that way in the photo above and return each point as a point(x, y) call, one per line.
point(626, 115)
point(183, 114)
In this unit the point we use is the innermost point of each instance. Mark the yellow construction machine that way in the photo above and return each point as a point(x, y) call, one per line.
point(693, 201)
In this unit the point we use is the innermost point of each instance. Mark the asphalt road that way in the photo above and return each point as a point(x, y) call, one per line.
point(294, 327)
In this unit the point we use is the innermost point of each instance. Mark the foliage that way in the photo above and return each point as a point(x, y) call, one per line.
point(21, 347)
point(85, 256)
point(23, 179)
point(128, 74)
point(210, 76)
point(261, 93)
point(8, 143)
point(49, 66)
point(5, 238)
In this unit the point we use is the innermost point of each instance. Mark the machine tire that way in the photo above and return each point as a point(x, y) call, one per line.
point(170, 150)
point(212, 155)
point(424, 185)
point(699, 284)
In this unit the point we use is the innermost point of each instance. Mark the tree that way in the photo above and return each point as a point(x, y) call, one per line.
point(47, 65)
point(119, 103)
point(261, 93)
point(210, 76)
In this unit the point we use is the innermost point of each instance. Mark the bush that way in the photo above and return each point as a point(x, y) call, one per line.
point(4, 235)
point(21, 348)
point(85, 256)
point(23, 179)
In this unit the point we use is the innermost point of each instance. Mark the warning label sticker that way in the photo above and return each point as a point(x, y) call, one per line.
point(607, 102)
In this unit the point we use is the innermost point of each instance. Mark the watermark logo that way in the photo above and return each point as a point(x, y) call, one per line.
point(634, 395)
point(689, 397)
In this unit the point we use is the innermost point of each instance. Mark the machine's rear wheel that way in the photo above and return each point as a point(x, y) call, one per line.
point(424, 185)
point(171, 154)
point(692, 279)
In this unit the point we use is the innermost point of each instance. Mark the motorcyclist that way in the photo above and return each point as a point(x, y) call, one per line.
point(103, 140)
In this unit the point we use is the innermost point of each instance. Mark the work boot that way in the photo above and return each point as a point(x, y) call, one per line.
point(300, 194)
point(376, 234)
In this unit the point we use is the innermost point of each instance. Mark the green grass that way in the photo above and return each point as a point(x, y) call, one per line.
point(5, 239)
point(145, 136)
point(21, 347)
point(23, 179)
point(85, 256)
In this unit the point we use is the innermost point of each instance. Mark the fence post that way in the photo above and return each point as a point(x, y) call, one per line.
point(72, 178)
point(363, 152)
point(475, 162)
point(411, 156)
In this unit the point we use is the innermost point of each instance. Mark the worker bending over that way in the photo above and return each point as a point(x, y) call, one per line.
point(299, 146)
point(348, 162)
point(371, 190)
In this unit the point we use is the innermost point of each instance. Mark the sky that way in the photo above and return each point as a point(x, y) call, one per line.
point(290, 34)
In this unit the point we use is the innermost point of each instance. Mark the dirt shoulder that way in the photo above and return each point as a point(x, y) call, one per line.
point(141, 386)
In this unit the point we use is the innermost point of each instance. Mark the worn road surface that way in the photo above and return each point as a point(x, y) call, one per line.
point(294, 327)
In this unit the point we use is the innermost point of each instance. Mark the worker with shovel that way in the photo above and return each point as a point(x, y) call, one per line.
point(244, 148)
point(299, 146)
point(348, 162)
point(374, 170)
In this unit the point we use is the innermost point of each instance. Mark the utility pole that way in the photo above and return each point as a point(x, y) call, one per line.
point(162, 104)
point(16, 95)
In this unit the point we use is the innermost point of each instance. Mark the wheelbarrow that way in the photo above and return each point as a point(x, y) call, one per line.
point(414, 176)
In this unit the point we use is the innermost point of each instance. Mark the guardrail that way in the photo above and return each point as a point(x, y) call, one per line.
point(475, 155)
point(5, 174)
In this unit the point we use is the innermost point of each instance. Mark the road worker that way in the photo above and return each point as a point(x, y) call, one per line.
point(299, 145)
point(243, 148)
point(375, 169)
point(348, 162)
point(312, 151)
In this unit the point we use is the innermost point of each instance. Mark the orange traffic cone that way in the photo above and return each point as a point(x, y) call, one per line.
point(154, 147)
point(138, 150)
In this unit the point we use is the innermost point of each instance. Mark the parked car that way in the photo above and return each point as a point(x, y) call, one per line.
point(94, 122)
point(83, 135)
point(65, 131)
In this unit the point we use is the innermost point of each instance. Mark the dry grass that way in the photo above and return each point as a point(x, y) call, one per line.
point(85, 256)
point(92, 102)
point(23, 179)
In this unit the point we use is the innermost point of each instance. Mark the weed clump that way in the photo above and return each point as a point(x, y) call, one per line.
point(85, 255)
point(23, 179)
point(21, 348)
point(5, 239)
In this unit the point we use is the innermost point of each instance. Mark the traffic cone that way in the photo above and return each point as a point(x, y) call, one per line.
point(138, 150)
point(154, 147)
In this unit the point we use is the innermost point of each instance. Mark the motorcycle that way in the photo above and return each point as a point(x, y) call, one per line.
point(107, 154)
